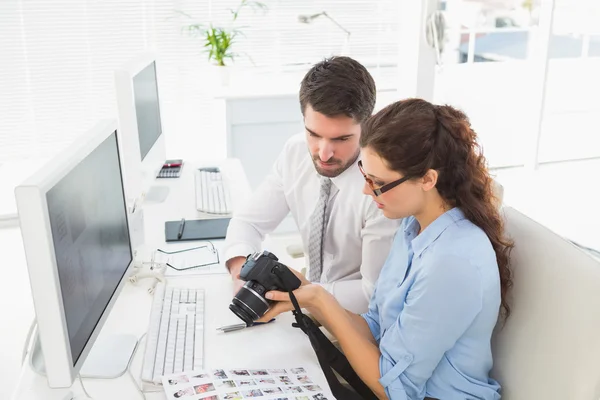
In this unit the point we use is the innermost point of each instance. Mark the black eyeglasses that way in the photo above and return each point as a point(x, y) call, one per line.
point(381, 190)
point(199, 259)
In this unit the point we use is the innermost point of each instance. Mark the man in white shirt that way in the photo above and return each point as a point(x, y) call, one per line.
point(316, 178)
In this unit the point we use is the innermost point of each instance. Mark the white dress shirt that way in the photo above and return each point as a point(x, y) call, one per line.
point(356, 240)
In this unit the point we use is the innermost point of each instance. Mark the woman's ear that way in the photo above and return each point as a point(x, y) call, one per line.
point(429, 180)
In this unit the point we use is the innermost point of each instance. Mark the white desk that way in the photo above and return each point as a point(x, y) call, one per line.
point(274, 345)
point(181, 203)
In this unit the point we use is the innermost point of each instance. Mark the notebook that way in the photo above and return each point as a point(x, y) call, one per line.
point(197, 229)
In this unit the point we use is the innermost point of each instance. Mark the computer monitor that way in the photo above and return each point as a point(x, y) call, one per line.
point(76, 237)
point(142, 139)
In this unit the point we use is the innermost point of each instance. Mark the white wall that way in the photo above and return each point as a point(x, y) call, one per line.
point(16, 308)
point(570, 128)
point(497, 97)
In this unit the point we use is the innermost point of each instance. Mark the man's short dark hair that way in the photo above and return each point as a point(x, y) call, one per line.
point(339, 86)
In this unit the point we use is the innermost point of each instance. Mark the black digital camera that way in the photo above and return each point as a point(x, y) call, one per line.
point(262, 272)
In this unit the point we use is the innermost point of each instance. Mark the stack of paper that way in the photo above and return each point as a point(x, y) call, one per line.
point(238, 384)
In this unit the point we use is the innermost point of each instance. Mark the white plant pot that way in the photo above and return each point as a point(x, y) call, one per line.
point(222, 75)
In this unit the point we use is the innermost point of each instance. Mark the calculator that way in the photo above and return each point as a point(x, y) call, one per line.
point(171, 169)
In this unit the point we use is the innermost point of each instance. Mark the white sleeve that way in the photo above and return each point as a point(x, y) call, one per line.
point(345, 293)
point(377, 237)
point(259, 216)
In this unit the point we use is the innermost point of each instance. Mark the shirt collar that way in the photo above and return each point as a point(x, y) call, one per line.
point(433, 231)
point(348, 177)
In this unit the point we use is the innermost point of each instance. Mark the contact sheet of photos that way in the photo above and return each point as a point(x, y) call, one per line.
point(239, 384)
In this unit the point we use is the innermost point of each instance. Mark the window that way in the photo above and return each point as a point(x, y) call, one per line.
point(572, 103)
point(494, 72)
point(485, 72)
point(58, 60)
point(484, 30)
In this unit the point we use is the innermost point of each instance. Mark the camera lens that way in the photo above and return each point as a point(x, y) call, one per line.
point(249, 303)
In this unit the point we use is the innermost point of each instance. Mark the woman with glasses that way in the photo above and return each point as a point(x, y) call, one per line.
point(428, 329)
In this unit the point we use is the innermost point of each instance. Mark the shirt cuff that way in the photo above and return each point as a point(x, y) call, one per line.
point(237, 250)
point(373, 327)
point(390, 376)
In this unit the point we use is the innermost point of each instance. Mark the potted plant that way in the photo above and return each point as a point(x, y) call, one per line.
point(218, 41)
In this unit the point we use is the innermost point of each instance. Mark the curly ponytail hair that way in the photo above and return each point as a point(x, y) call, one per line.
point(414, 136)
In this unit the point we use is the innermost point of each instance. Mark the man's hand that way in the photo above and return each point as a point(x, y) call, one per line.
point(235, 266)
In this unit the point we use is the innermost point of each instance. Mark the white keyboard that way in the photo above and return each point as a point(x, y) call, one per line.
point(212, 193)
point(175, 338)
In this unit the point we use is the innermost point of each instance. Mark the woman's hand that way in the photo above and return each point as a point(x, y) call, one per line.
point(308, 296)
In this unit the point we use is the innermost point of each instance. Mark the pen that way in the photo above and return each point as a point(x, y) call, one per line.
point(181, 226)
point(237, 327)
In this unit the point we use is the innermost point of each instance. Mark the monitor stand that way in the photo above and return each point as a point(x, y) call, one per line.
point(156, 194)
point(109, 358)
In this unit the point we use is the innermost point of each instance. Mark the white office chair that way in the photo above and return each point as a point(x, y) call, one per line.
point(549, 348)
point(498, 190)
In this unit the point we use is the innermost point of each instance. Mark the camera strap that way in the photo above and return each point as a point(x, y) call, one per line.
point(331, 359)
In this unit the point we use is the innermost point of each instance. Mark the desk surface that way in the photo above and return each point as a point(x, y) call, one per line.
point(270, 346)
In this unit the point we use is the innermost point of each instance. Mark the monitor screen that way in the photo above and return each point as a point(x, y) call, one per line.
point(145, 91)
point(89, 228)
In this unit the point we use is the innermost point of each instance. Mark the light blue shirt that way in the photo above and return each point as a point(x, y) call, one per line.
point(434, 309)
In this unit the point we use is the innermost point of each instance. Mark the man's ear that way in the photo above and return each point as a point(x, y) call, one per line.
point(429, 180)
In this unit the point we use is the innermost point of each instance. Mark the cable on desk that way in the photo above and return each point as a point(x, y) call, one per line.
point(26, 350)
point(83, 387)
point(156, 271)
point(140, 391)
point(28, 340)
point(128, 373)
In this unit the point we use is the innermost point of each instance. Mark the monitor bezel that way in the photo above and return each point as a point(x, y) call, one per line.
point(38, 243)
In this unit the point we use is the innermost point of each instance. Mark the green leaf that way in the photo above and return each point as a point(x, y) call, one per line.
point(218, 41)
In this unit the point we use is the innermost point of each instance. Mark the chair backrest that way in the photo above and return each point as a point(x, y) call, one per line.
point(549, 348)
point(498, 191)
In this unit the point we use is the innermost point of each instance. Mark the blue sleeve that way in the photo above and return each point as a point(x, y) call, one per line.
point(441, 304)
point(372, 314)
